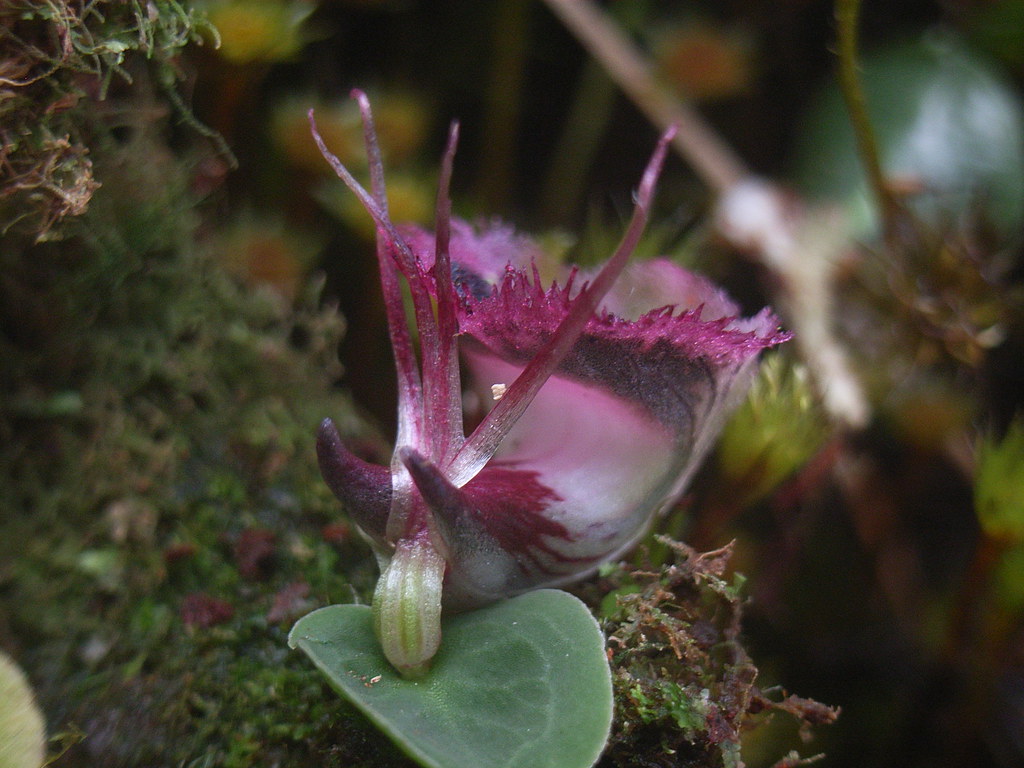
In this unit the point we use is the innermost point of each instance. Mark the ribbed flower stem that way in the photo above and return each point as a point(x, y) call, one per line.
point(407, 606)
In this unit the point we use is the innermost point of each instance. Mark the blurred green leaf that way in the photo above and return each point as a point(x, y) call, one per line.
point(999, 485)
point(950, 132)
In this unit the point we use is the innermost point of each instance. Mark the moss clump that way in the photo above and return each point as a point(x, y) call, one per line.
point(685, 687)
point(774, 432)
point(58, 60)
point(163, 521)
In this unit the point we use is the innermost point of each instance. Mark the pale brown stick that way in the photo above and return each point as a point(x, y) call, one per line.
point(713, 160)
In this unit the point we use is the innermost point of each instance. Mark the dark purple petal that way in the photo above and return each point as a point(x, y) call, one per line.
point(429, 418)
point(499, 533)
point(364, 489)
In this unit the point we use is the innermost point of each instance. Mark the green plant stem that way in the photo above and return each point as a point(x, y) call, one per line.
point(847, 13)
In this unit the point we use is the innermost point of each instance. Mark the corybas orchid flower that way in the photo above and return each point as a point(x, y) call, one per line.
point(607, 392)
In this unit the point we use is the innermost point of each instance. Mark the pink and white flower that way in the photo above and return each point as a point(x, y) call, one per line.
point(612, 388)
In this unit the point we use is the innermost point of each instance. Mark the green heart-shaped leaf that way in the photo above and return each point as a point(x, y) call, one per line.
point(524, 683)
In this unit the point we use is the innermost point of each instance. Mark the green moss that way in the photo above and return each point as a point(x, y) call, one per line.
point(162, 507)
point(685, 688)
point(999, 485)
point(775, 431)
point(58, 60)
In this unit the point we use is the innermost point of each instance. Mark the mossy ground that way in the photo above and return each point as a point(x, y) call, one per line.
point(163, 521)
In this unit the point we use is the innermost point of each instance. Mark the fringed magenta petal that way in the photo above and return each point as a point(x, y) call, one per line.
point(604, 393)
